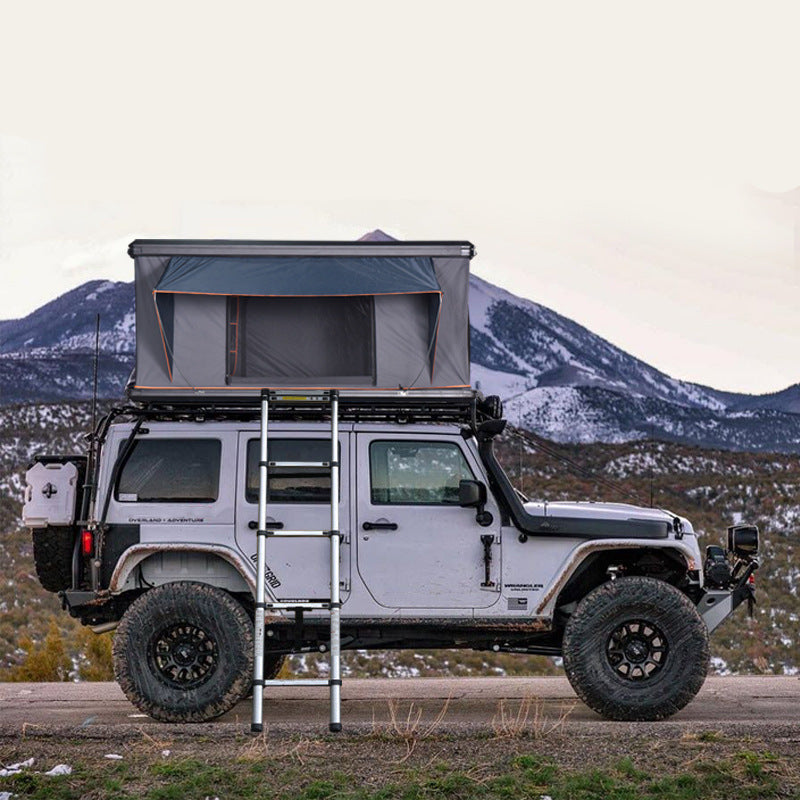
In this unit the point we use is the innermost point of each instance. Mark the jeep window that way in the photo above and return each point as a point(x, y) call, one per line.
point(416, 473)
point(291, 484)
point(171, 471)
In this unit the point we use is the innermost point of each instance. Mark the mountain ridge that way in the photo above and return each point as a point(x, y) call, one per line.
point(556, 376)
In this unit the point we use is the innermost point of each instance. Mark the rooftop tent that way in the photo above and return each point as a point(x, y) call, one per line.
point(224, 319)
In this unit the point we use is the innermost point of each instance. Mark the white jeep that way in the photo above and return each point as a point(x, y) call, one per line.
point(437, 550)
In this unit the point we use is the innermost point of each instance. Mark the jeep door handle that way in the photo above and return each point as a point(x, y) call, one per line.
point(379, 526)
point(275, 526)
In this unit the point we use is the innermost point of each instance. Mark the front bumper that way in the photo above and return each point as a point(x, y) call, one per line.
point(716, 605)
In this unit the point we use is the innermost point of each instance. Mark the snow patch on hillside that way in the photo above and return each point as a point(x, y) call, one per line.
point(103, 287)
point(560, 413)
point(491, 381)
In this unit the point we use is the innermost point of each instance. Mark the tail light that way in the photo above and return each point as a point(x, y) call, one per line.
point(87, 542)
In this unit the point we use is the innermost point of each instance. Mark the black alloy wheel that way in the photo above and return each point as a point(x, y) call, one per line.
point(637, 650)
point(184, 654)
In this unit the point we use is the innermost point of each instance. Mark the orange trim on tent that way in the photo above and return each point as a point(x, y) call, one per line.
point(436, 335)
point(163, 338)
point(307, 388)
point(244, 294)
point(235, 350)
point(226, 294)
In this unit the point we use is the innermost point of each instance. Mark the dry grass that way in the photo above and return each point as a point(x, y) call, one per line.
point(528, 718)
point(154, 743)
point(408, 726)
point(260, 748)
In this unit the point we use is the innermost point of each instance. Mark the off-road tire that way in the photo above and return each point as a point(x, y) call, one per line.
point(52, 557)
point(169, 608)
point(587, 646)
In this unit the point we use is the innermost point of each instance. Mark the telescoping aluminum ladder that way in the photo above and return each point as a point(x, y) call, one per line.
point(334, 681)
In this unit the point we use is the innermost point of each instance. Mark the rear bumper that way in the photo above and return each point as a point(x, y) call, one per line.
point(72, 598)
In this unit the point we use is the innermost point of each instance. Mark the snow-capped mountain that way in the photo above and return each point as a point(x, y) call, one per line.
point(49, 355)
point(68, 322)
point(555, 376)
point(566, 383)
point(517, 336)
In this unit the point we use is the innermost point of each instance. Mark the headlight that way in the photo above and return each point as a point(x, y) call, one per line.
point(743, 540)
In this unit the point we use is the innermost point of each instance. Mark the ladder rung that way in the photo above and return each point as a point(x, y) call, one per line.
point(296, 534)
point(297, 682)
point(308, 606)
point(280, 397)
point(298, 463)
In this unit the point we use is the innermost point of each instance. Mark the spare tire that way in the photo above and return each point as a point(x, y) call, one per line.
point(52, 556)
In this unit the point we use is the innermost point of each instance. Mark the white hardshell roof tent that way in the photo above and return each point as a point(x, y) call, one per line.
point(225, 319)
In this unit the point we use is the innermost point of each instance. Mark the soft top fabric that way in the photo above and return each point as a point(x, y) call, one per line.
point(278, 276)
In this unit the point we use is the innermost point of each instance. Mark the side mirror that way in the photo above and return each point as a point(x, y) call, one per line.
point(472, 494)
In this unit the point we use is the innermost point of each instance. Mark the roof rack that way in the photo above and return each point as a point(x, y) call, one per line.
point(404, 407)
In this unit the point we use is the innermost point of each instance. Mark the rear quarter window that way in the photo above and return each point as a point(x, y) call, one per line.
point(171, 471)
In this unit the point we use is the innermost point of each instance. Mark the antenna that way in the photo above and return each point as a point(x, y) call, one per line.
point(96, 361)
point(89, 484)
point(652, 461)
point(521, 474)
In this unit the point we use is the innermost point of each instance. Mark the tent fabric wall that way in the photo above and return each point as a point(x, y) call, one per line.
point(451, 367)
point(191, 353)
point(402, 341)
point(151, 364)
point(199, 340)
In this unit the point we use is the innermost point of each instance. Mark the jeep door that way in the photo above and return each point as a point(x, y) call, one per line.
point(417, 548)
point(298, 498)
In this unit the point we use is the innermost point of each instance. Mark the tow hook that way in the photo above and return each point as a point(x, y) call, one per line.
point(487, 539)
point(746, 585)
point(751, 599)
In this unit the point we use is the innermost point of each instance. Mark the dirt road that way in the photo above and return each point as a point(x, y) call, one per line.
point(473, 704)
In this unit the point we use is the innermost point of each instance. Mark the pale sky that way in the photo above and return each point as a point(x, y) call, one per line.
point(627, 164)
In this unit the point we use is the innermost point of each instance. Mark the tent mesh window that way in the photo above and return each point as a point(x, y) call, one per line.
point(299, 339)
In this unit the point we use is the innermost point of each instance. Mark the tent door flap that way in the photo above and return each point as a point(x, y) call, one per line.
point(297, 340)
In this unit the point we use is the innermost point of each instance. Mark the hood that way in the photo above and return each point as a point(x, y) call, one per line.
point(591, 510)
